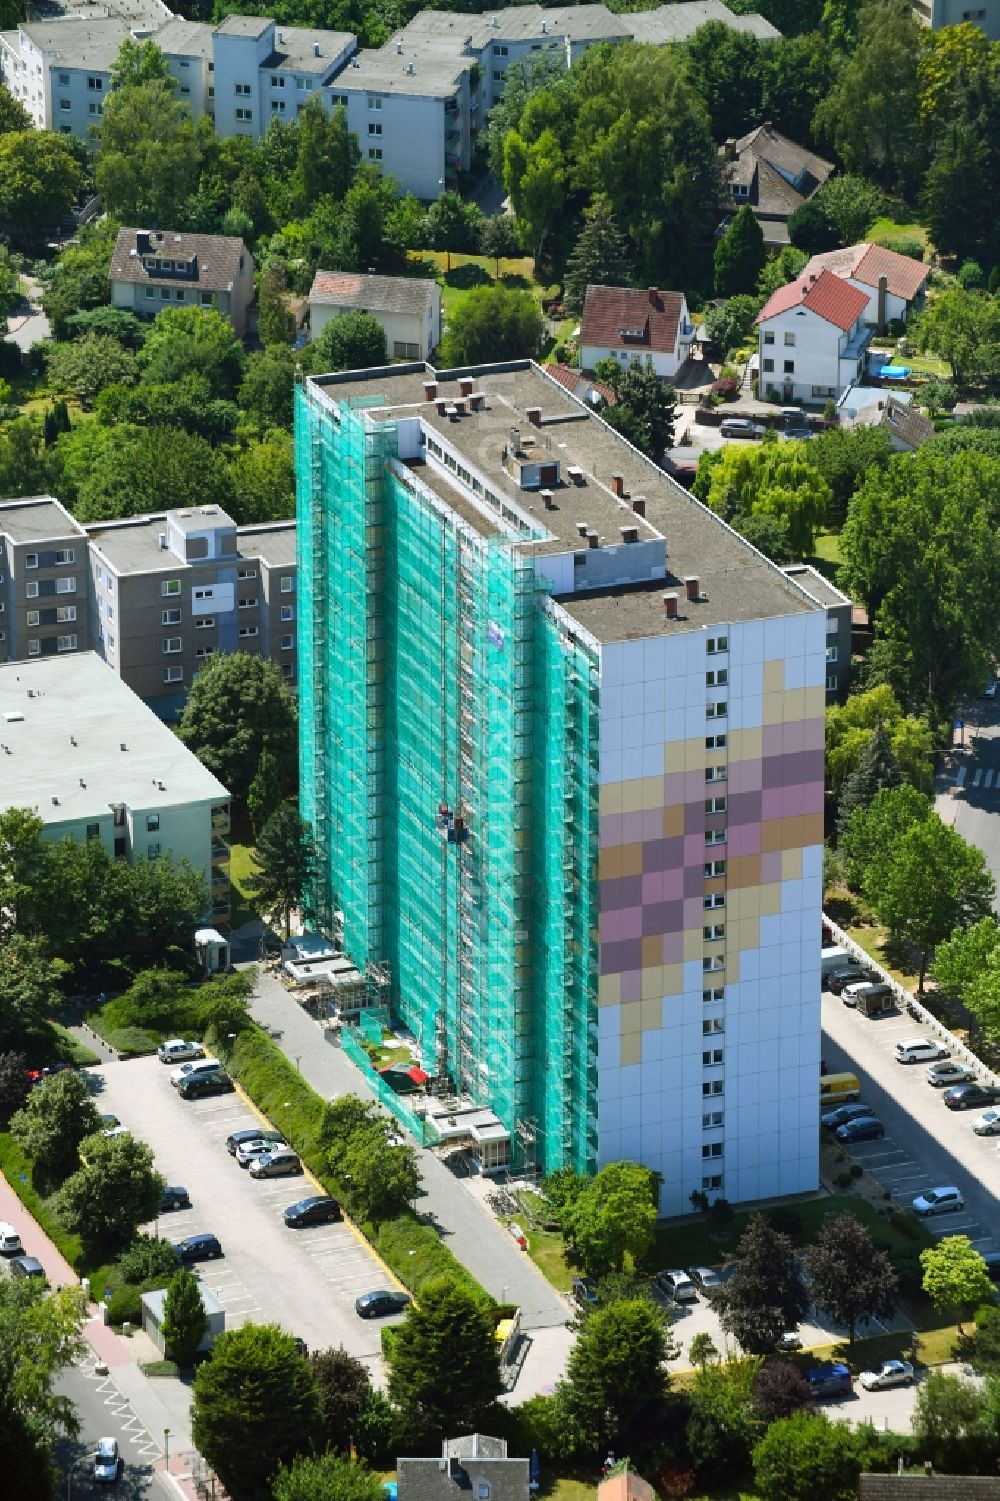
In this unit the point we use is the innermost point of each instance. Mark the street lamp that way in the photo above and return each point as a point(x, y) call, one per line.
point(166, 1450)
point(69, 1477)
point(298, 1057)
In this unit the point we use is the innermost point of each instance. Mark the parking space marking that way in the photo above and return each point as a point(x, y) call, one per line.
point(960, 776)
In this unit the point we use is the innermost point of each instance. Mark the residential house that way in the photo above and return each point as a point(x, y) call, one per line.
point(938, 13)
point(894, 284)
point(927, 1487)
point(636, 326)
point(82, 751)
point(772, 174)
point(838, 624)
point(156, 268)
point(907, 427)
point(475, 1467)
point(812, 338)
point(408, 308)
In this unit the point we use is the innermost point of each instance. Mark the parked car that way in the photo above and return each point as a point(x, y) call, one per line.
point(938, 1201)
point(39, 1075)
point(791, 1339)
point(705, 1280)
point(116, 1131)
point(177, 1050)
point(831, 1119)
point(992, 1260)
point(10, 1241)
point(377, 1304)
point(677, 1285)
point(255, 1147)
point(27, 1266)
point(107, 1121)
point(849, 975)
point(237, 1138)
point(919, 1050)
point(941, 1075)
point(107, 1462)
point(970, 1096)
point(198, 1248)
point(189, 1070)
point(279, 1164)
point(990, 691)
point(585, 1292)
point(987, 1124)
point(833, 1379)
point(889, 1373)
point(318, 1209)
point(800, 433)
point(174, 1197)
point(864, 1128)
point(199, 1085)
point(741, 427)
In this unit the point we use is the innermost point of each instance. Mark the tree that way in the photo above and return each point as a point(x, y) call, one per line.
point(870, 838)
point(969, 953)
point(702, 1350)
point(493, 323)
point(534, 175)
point(804, 1455)
point(765, 1295)
point(265, 394)
point(452, 223)
point(145, 1258)
point(877, 768)
point(263, 477)
point(777, 480)
point(40, 1336)
point(236, 704)
point(117, 1189)
point(184, 1320)
point(955, 1275)
point(350, 341)
point(187, 341)
point(953, 206)
point(375, 1168)
point(285, 859)
point(947, 1416)
point(149, 469)
point(851, 1277)
point(844, 457)
point(266, 790)
point(798, 72)
point(849, 730)
point(614, 1217)
point(727, 67)
point(15, 1086)
point(150, 153)
point(723, 1424)
point(275, 320)
point(327, 156)
point(21, 858)
point(644, 409)
point(730, 324)
point(615, 1386)
point(13, 115)
point(138, 63)
point(29, 989)
point(739, 255)
point(779, 1389)
point(811, 229)
point(443, 1368)
point(851, 204)
point(79, 279)
point(599, 258)
point(39, 177)
point(57, 1118)
point(129, 331)
point(89, 364)
point(498, 239)
point(344, 1390)
point(870, 114)
point(255, 1382)
point(327, 1478)
point(964, 329)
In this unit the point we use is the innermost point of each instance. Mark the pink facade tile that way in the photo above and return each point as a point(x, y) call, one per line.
point(625, 923)
point(673, 948)
point(632, 985)
point(741, 841)
point(694, 849)
point(770, 867)
point(744, 776)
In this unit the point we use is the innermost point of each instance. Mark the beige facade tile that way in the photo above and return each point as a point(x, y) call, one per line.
point(611, 798)
point(609, 990)
point(630, 1048)
point(774, 676)
point(673, 821)
point(791, 864)
point(632, 795)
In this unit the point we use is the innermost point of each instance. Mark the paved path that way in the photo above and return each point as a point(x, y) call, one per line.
point(26, 323)
point(467, 1227)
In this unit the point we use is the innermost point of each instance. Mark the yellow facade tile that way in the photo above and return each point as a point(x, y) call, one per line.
point(694, 758)
point(774, 708)
point(750, 902)
point(770, 899)
point(652, 950)
point(715, 883)
point(774, 676)
point(791, 864)
point(812, 828)
point(631, 859)
point(652, 1014)
point(609, 990)
point(733, 967)
point(770, 835)
point(630, 1048)
point(694, 944)
point(632, 796)
point(746, 745)
point(795, 706)
point(652, 982)
point(672, 979)
point(673, 821)
point(674, 755)
point(609, 865)
point(611, 798)
point(652, 793)
point(814, 702)
point(630, 1018)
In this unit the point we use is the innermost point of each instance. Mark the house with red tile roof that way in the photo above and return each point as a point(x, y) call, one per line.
point(894, 284)
point(812, 338)
point(635, 326)
point(407, 307)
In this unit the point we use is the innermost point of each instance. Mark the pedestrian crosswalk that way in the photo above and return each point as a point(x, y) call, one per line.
point(976, 778)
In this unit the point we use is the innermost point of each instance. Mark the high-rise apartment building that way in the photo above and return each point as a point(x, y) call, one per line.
point(562, 747)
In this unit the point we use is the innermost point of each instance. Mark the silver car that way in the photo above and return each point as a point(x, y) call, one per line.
point(938, 1201)
point(258, 1147)
point(987, 1124)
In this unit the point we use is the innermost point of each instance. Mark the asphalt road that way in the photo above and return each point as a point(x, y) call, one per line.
point(103, 1413)
point(926, 1144)
point(969, 788)
point(304, 1280)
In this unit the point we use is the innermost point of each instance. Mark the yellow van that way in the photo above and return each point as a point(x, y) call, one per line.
point(838, 1089)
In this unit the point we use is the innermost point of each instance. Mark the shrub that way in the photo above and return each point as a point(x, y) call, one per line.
point(146, 1258)
point(786, 1221)
point(856, 1170)
point(10, 358)
point(124, 1305)
point(843, 1180)
point(970, 275)
point(726, 389)
point(773, 396)
point(417, 1255)
point(902, 244)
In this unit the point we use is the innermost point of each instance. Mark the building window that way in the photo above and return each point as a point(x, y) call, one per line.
point(716, 773)
point(831, 683)
point(152, 823)
point(152, 851)
point(173, 674)
point(246, 573)
point(712, 963)
point(789, 367)
point(205, 623)
point(64, 78)
point(374, 153)
point(711, 1149)
point(716, 644)
point(713, 1184)
point(64, 104)
point(277, 106)
point(712, 1057)
point(150, 291)
point(714, 993)
point(171, 644)
point(247, 631)
point(120, 850)
point(715, 805)
point(93, 831)
point(831, 654)
point(65, 586)
point(248, 604)
point(207, 299)
point(96, 84)
point(65, 614)
point(95, 108)
point(65, 643)
point(789, 341)
point(711, 1025)
point(712, 1120)
point(33, 617)
point(768, 367)
point(170, 586)
point(717, 679)
point(203, 594)
point(500, 50)
point(714, 900)
point(374, 127)
point(287, 643)
point(31, 560)
point(712, 1086)
point(170, 617)
point(716, 710)
point(242, 89)
point(714, 868)
point(287, 670)
point(403, 351)
point(34, 648)
point(374, 101)
point(287, 612)
point(715, 742)
point(277, 81)
point(31, 591)
point(287, 584)
point(244, 114)
point(769, 337)
point(202, 653)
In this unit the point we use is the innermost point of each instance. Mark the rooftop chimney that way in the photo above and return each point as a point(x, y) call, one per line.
point(591, 539)
point(515, 440)
point(767, 126)
point(534, 416)
point(547, 499)
point(476, 400)
point(399, 46)
point(670, 606)
point(618, 485)
point(465, 384)
point(883, 288)
point(315, 49)
point(730, 149)
point(581, 527)
point(430, 389)
point(409, 70)
point(629, 533)
point(654, 297)
point(639, 505)
point(441, 404)
point(460, 405)
point(691, 586)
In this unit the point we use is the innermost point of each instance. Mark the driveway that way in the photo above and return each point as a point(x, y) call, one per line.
point(26, 323)
point(304, 1280)
point(926, 1144)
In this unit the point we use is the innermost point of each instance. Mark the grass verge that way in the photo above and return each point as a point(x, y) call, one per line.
point(160, 1368)
point(18, 1170)
point(873, 941)
point(68, 1046)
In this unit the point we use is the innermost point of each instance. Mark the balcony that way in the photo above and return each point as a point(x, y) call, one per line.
point(220, 849)
point(220, 820)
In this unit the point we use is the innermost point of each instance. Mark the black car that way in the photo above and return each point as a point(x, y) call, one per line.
point(851, 974)
point(841, 1114)
point(316, 1210)
point(970, 1096)
point(203, 1084)
point(174, 1197)
point(253, 1134)
point(376, 1305)
point(198, 1248)
point(992, 1260)
point(862, 1128)
point(26, 1266)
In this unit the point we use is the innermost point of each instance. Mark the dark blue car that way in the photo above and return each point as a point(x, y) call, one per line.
point(862, 1128)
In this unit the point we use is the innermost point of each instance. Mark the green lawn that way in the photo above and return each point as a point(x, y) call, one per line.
point(873, 941)
point(67, 1046)
point(241, 867)
point(891, 229)
point(469, 271)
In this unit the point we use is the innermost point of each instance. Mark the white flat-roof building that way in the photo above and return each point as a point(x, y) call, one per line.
point(84, 753)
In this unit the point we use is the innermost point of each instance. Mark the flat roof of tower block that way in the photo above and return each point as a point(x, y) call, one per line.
point(37, 518)
point(735, 581)
point(65, 721)
point(435, 73)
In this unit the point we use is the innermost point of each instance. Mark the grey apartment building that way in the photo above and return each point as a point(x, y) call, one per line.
point(155, 596)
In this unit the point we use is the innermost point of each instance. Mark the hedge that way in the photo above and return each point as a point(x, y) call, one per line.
point(17, 1168)
point(412, 1249)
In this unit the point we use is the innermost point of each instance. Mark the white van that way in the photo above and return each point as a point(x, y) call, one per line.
point(10, 1241)
point(920, 1050)
point(194, 1070)
point(832, 959)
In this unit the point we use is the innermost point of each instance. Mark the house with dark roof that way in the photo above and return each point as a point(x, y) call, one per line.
point(156, 268)
point(774, 175)
point(636, 326)
point(894, 284)
point(928, 1487)
point(407, 307)
point(907, 427)
point(812, 338)
point(475, 1467)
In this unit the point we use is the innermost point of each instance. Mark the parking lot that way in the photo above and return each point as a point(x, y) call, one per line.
point(925, 1144)
point(305, 1280)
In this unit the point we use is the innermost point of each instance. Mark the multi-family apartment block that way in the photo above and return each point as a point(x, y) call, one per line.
point(155, 596)
point(938, 13)
point(80, 749)
point(562, 748)
point(416, 104)
point(838, 625)
point(156, 268)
